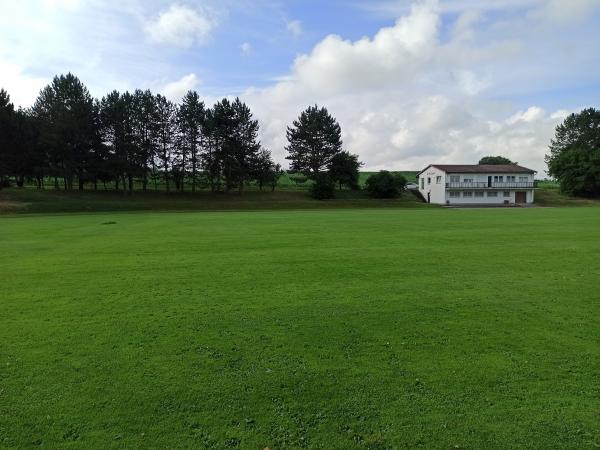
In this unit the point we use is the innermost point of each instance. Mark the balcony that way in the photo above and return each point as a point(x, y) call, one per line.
point(486, 185)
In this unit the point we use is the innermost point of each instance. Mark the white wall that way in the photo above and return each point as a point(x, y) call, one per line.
point(437, 190)
point(499, 200)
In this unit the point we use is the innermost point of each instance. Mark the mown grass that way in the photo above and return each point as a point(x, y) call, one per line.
point(337, 329)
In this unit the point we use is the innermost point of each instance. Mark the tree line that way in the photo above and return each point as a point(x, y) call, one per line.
point(71, 138)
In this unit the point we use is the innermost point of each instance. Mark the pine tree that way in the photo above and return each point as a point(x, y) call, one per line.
point(191, 119)
point(314, 139)
point(64, 111)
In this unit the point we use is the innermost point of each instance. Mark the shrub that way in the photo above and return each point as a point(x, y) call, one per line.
point(385, 185)
point(323, 187)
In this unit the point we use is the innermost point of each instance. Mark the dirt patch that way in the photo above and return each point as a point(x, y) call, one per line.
point(11, 207)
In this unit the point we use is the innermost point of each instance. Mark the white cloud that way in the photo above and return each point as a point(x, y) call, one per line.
point(295, 28)
point(246, 48)
point(181, 25)
point(407, 97)
point(22, 88)
point(175, 90)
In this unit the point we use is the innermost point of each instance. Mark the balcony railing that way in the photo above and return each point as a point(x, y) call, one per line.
point(485, 184)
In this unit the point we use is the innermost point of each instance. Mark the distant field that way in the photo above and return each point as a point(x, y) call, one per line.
point(334, 329)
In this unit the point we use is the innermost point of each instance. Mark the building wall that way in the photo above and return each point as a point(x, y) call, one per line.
point(433, 181)
point(486, 199)
point(483, 177)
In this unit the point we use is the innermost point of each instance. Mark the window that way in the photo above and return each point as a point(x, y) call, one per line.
point(428, 180)
point(506, 194)
point(492, 194)
point(438, 180)
point(454, 179)
point(511, 179)
point(454, 194)
point(479, 194)
point(467, 194)
point(422, 183)
point(498, 178)
point(468, 180)
point(523, 179)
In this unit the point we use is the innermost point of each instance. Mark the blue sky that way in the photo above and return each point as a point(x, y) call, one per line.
point(412, 82)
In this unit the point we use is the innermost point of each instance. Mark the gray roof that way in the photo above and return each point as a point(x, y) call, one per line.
point(480, 168)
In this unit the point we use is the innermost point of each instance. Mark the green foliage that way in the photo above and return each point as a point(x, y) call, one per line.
point(344, 170)
point(323, 187)
point(265, 171)
point(314, 139)
point(335, 329)
point(298, 178)
point(574, 158)
point(492, 160)
point(385, 185)
point(65, 113)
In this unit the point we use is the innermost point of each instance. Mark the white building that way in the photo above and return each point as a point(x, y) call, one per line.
point(477, 184)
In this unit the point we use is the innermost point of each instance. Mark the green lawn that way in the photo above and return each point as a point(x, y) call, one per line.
point(333, 329)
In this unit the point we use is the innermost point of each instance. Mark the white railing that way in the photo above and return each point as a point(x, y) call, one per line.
point(483, 184)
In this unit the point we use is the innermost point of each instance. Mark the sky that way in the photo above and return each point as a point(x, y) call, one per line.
point(411, 82)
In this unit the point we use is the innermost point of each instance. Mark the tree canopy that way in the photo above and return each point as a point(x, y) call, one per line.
point(344, 169)
point(385, 184)
point(491, 160)
point(574, 158)
point(314, 139)
point(126, 138)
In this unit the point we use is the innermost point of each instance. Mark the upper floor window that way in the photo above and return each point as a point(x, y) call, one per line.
point(523, 179)
point(498, 178)
point(454, 179)
point(438, 180)
point(511, 179)
point(422, 183)
point(468, 180)
point(428, 180)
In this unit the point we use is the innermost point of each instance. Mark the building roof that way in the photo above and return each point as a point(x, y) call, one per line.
point(479, 168)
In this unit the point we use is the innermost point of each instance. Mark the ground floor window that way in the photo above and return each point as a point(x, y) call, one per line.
point(506, 194)
point(479, 194)
point(492, 194)
point(467, 194)
point(454, 194)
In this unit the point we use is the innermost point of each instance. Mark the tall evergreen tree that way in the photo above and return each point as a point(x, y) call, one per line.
point(65, 113)
point(145, 125)
point(314, 139)
point(166, 129)
point(191, 119)
point(7, 126)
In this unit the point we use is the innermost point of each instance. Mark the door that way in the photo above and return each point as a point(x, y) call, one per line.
point(520, 197)
point(490, 181)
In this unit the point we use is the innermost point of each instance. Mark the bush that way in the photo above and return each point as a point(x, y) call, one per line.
point(4, 183)
point(385, 185)
point(323, 187)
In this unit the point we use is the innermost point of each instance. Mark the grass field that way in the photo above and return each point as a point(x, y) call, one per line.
point(332, 329)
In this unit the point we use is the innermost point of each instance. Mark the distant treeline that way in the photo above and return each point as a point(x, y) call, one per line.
point(125, 139)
